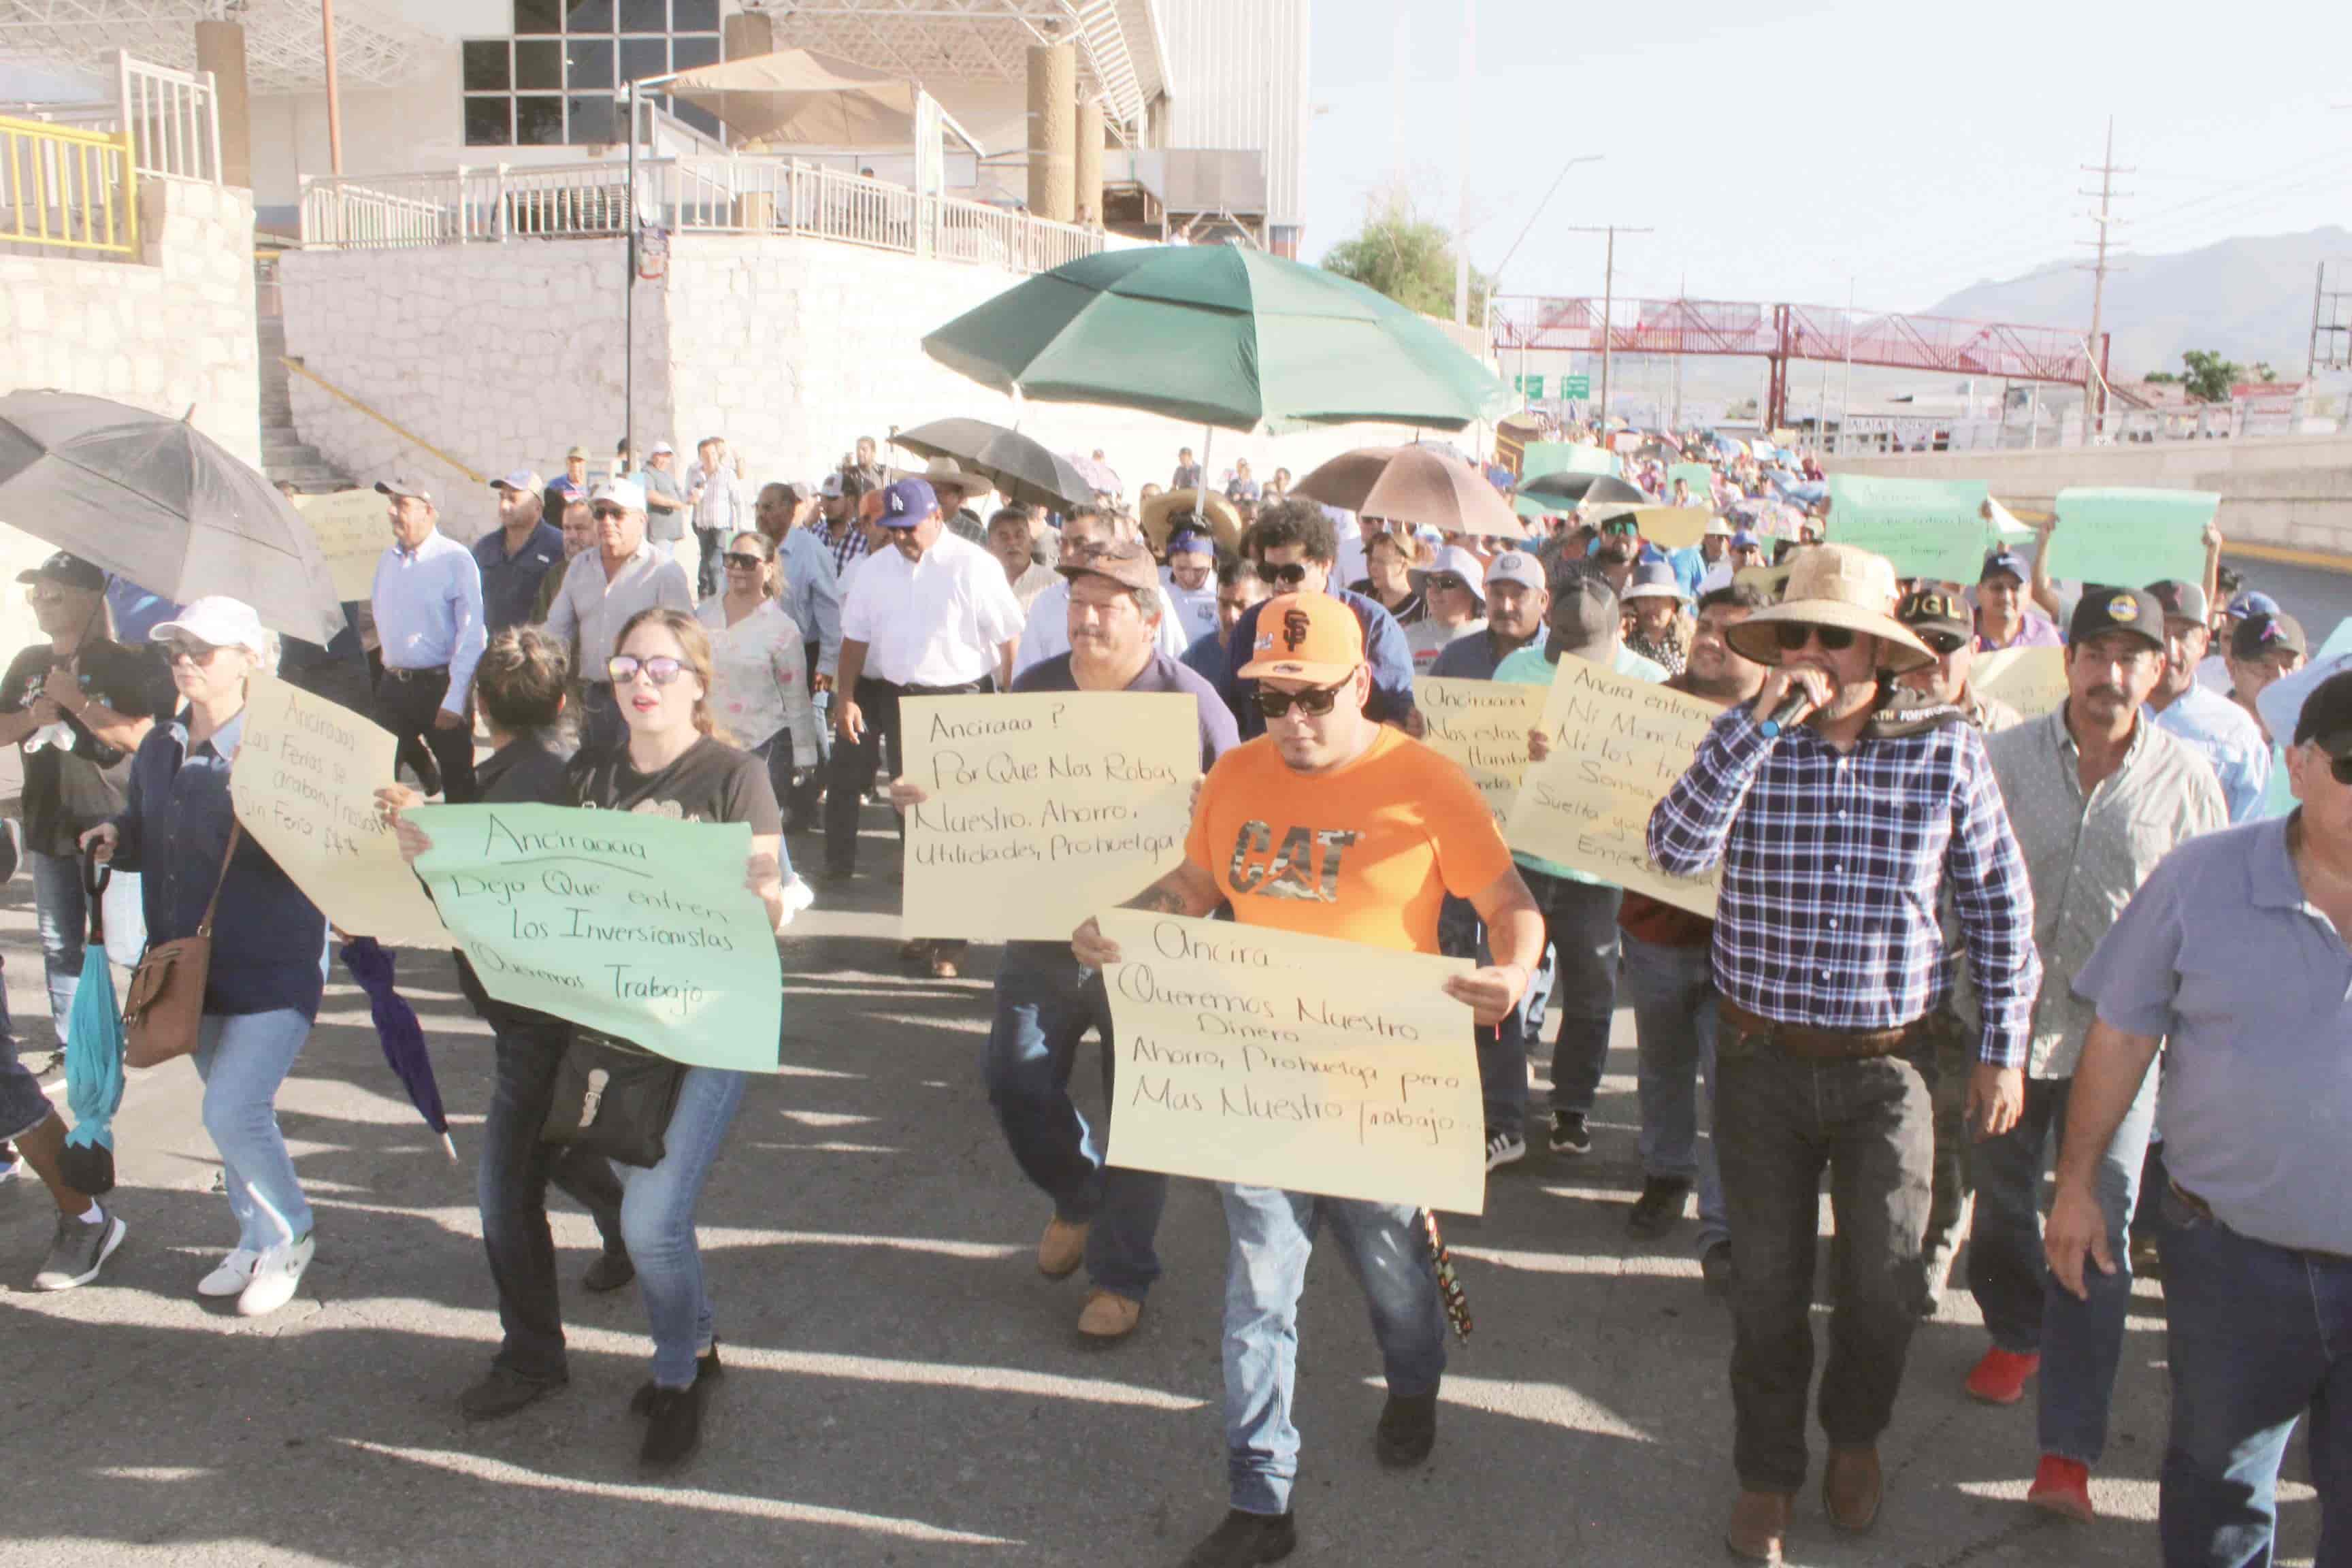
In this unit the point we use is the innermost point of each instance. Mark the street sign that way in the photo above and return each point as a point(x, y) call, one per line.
point(1530, 386)
point(1576, 386)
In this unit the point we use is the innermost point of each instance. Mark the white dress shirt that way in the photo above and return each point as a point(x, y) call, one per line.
point(1047, 634)
point(940, 621)
point(589, 612)
point(428, 612)
point(720, 505)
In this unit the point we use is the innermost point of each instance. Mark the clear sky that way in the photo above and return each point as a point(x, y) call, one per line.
point(1914, 149)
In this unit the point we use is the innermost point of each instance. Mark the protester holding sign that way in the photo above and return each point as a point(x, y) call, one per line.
point(1334, 825)
point(2003, 620)
point(1838, 829)
point(261, 990)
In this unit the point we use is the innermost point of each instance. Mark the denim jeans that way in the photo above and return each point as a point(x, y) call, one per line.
point(61, 913)
point(1502, 1048)
point(1672, 990)
point(657, 1221)
point(2254, 1335)
point(512, 1188)
point(1780, 1122)
point(23, 1104)
point(242, 1059)
point(1265, 1268)
point(1580, 921)
point(1044, 1004)
point(2080, 1343)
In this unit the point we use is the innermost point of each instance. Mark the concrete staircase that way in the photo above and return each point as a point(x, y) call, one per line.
point(284, 454)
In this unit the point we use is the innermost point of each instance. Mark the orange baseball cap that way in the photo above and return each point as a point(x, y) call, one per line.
point(1305, 636)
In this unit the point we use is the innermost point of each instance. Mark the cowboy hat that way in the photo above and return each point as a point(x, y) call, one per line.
point(947, 474)
point(1836, 585)
point(1223, 518)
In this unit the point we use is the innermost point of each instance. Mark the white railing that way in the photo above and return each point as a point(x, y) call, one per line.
point(173, 116)
point(738, 194)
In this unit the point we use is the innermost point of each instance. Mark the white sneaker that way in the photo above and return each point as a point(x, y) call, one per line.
point(11, 1164)
point(231, 1275)
point(276, 1273)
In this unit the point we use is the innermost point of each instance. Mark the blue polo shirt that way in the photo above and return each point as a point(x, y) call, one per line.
point(511, 583)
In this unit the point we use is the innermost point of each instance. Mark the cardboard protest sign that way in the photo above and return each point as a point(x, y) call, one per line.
point(626, 921)
point(2126, 537)
point(1045, 807)
point(304, 785)
point(1928, 528)
point(2031, 679)
point(1617, 745)
point(1252, 1055)
point(1672, 527)
point(354, 532)
point(1481, 726)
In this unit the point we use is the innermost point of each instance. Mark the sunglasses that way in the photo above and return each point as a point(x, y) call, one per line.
point(661, 670)
point(602, 514)
point(749, 560)
point(1447, 581)
point(1792, 636)
point(1315, 701)
point(1620, 525)
point(195, 653)
point(1289, 576)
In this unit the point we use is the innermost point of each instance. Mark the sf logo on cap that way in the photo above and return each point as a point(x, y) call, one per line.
point(1295, 627)
point(2122, 607)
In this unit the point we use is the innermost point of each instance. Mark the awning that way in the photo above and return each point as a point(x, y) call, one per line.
point(795, 97)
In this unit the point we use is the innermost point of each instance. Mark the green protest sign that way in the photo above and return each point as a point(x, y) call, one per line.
point(1698, 477)
point(1576, 386)
point(2127, 537)
point(1929, 528)
point(1540, 457)
point(631, 923)
point(1584, 459)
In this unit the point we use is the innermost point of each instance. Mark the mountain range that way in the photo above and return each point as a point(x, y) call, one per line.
point(2248, 299)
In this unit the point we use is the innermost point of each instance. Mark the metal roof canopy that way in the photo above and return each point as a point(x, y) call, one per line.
point(373, 47)
point(1117, 41)
point(799, 96)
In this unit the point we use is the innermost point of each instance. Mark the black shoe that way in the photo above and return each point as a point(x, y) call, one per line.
point(1569, 1133)
point(1714, 1268)
point(502, 1392)
point(1408, 1430)
point(673, 1426)
point(705, 1370)
point(1245, 1540)
point(1659, 1206)
point(611, 1270)
point(837, 876)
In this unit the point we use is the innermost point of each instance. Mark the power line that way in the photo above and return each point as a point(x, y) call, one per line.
point(1608, 300)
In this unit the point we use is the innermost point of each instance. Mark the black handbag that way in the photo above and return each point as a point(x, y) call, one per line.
point(612, 1098)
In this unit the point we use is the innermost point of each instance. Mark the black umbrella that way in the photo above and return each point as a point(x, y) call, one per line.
point(155, 502)
point(1589, 488)
point(1021, 470)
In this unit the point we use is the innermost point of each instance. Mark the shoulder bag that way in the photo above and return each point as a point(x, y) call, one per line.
point(612, 1098)
point(164, 1007)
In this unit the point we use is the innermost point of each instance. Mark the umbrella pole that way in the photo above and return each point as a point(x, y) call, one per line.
point(1208, 437)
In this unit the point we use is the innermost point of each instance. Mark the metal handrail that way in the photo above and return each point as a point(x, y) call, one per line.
point(414, 439)
point(59, 179)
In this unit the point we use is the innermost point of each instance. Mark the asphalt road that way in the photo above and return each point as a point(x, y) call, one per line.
point(902, 1387)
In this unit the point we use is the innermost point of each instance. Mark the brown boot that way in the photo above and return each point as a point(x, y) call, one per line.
point(1107, 1315)
point(1851, 1488)
point(1061, 1249)
point(1760, 1522)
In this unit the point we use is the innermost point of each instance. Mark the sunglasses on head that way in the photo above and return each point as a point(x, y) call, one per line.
point(1290, 577)
point(749, 560)
point(661, 670)
point(1315, 701)
point(1793, 635)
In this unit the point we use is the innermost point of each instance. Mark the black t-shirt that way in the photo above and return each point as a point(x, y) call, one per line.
point(524, 772)
point(66, 792)
point(712, 782)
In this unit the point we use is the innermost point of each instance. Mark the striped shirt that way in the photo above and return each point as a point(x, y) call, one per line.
point(1833, 863)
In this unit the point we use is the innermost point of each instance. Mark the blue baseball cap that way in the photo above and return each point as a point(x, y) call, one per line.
point(2253, 602)
point(907, 503)
point(2008, 560)
point(1744, 539)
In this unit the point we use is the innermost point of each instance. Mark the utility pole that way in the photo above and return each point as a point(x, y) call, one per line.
point(1469, 66)
point(2331, 335)
point(1608, 302)
point(2094, 375)
point(334, 93)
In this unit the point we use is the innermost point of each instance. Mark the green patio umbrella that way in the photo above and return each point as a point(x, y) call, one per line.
point(1221, 336)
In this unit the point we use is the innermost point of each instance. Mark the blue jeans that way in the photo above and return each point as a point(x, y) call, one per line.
point(1044, 1004)
point(1265, 1268)
point(1673, 992)
point(2254, 1334)
point(657, 1221)
point(61, 913)
point(1502, 1048)
point(242, 1059)
point(1580, 921)
point(2080, 1343)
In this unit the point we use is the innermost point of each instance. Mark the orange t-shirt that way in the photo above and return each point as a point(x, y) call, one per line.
point(1365, 853)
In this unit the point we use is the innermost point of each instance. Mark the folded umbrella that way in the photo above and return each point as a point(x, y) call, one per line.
point(160, 504)
point(93, 1055)
point(1022, 469)
point(403, 1036)
point(1419, 485)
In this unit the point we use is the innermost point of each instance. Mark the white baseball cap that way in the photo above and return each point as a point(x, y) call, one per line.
point(219, 620)
point(1454, 561)
point(626, 494)
point(526, 480)
point(662, 450)
point(831, 489)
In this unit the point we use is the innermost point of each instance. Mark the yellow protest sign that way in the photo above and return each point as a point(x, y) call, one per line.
point(2031, 679)
point(1672, 527)
point(1481, 726)
point(1617, 745)
point(304, 785)
point(1045, 807)
point(1257, 1056)
point(353, 530)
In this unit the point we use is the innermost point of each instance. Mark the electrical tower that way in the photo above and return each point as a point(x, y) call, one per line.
point(2094, 380)
point(2331, 323)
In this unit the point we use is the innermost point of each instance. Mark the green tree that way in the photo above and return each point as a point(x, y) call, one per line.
point(1406, 256)
point(2210, 375)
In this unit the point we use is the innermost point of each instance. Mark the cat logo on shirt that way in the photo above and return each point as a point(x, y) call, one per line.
point(1292, 871)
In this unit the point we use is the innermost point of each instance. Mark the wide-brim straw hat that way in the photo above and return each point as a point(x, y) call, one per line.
point(1223, 519)
point(1836, 585)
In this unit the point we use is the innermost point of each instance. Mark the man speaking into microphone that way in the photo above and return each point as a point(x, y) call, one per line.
point(1840, 816)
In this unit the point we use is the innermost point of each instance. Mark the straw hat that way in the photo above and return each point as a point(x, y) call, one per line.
point(1225, 520)
point(946, 473)
point(1836, 585)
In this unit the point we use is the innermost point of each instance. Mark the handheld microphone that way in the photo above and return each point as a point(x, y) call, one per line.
point(1793, 709)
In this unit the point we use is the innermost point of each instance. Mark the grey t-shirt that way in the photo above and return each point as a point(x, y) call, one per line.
point(663, 527)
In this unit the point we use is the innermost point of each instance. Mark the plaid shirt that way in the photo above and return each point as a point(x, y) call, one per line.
point(847, 548)
point(1833, 864)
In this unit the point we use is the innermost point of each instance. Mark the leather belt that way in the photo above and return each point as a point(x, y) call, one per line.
point(1797, 1041)
point(422, 673)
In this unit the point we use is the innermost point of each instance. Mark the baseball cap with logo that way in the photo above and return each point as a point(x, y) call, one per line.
point(626, 494)
point(1124, 561)
point(2101, 609)
point(2183, 601)
point(400, 485)
point(1305, 636)
point(2253, 602)
point(907, 503)
point(831, 490)
point(2008, 560)
point(1941, 620)
point(524, 480)
point(2259, 634)
point(67, 570)
point(1516, 566)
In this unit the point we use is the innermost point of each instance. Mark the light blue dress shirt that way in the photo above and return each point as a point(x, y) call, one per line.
point(813, 595)
point(428, 612)
point(2226, 736)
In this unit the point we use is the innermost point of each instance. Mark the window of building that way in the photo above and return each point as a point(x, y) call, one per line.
point(554, 82)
